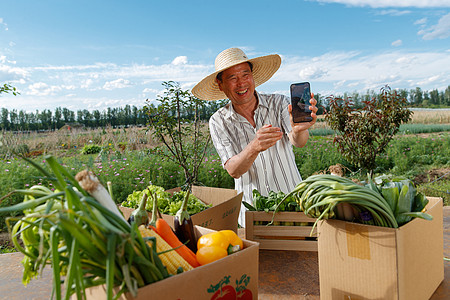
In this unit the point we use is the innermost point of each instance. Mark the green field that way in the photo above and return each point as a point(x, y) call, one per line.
point(125, 159)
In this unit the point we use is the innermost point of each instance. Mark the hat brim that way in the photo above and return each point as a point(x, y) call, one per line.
point(263, 69)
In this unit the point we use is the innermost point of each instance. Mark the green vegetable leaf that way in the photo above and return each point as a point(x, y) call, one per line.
point(249, 206)
point(416, 214)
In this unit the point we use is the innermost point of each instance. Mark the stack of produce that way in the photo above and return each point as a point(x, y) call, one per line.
point(167, 203)
point(275, 200)
point(208, 248)
point(387, 201)
point(78, 230)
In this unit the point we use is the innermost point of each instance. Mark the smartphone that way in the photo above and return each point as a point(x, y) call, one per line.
point(300, 96)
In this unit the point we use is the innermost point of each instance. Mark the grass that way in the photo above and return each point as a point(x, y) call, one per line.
point(7, 249)
point(125, 159)
point(430, 116)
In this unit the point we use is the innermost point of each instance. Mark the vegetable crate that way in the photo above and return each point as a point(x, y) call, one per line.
point(358, 261)
point(290, 230)
point(232, 277)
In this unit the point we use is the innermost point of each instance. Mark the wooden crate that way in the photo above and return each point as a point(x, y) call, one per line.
point(279, 236)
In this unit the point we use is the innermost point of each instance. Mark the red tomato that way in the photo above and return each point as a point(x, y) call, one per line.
point(245, 295)
point(227, 292)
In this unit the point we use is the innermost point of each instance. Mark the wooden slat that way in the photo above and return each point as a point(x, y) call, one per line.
point(287, 245)
point(287, 216)
point(294, 231)
point(278, 237)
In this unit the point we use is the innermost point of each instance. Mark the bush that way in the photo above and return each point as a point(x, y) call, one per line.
point(364, 133)
point(91, 149)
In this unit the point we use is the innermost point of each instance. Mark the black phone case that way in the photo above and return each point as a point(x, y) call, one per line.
point(300, 96)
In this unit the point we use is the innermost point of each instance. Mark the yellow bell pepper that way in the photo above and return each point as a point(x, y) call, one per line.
point(215, 245)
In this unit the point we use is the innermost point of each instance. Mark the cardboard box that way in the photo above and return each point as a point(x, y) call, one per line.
point(280, 236)
point(369, 262)
point(234, 276)
point(223, 214)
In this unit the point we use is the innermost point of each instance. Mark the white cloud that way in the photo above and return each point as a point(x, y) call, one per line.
point(391, 3)
point(421, 21)
point(439, 31)
point(312, 72)
point(347, 71)
point(405, 60)
point(9, 72)
point(394, 12)
point(103, 85)
point(86, 84)
point(2, 22)
point(77, 68)
point(429, 80)
point(117, 84)
point(397, 43)
point(149, 90)
point(180, 60)
point(41, 89)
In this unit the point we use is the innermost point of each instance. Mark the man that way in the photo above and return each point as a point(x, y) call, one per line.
point(254, 133)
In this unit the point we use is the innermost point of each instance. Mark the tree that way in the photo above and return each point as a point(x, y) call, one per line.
point(418, 96)
point(68, 115)
point(14, 119)
point(7, 88)
point(363, 133)
point(434, 97)
point(45, 118)
point(185, 139)
point(4, 119)
point(447, 96)
point(97, 118)
point(58, 118)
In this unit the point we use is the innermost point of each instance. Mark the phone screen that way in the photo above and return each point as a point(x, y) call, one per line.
point(300, 96)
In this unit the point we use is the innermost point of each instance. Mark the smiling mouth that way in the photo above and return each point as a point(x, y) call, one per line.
point(242, 92)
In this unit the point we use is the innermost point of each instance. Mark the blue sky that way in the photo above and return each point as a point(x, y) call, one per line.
point(97, 54)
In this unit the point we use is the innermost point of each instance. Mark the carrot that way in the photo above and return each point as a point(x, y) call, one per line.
point(164, 230)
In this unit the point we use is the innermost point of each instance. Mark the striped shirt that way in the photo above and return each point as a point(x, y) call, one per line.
point(274, 169)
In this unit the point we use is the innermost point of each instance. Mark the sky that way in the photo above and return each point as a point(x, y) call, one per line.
point(94, 54)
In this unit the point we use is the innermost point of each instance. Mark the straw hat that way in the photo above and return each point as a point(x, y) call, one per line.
point(263, 69)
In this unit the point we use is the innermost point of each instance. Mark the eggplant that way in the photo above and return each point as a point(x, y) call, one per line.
point(184, 228)
point(139, 215)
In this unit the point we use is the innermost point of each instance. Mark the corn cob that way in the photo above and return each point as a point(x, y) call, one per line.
point(170, 259)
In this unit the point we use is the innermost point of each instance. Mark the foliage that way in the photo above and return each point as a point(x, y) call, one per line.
point(167, 203)
point(177, 124)
point(423, 128)
point(411, 155)
point(135, 170)
point(91, 149)
point(121, 117)
point(317, 155)
point(7, 249)
point(363, 133)
point(8, 88)
point(437, 189)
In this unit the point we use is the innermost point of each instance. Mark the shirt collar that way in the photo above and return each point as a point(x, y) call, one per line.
point(231, 113)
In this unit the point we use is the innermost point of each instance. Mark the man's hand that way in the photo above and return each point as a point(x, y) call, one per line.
point(299, 134)
point(266, 137)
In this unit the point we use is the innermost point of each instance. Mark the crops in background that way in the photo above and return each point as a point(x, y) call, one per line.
point(125, 160)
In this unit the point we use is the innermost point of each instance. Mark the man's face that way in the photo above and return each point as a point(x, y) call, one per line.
point(238, 84)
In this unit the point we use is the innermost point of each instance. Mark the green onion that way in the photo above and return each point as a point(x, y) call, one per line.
point(82, 235)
